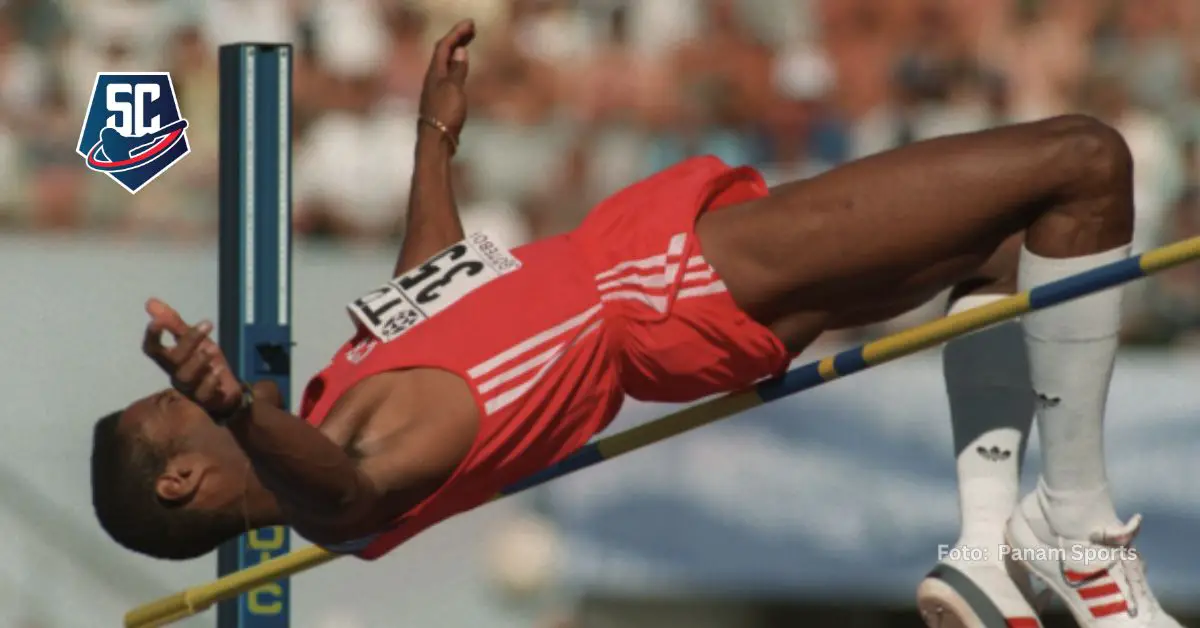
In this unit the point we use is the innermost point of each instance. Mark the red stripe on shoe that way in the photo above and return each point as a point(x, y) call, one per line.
point(1098, 591)
point(1105, 610)
point(1077, 577)
point(1024, 622)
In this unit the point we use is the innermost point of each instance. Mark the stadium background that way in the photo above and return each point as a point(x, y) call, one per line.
point(824, 510)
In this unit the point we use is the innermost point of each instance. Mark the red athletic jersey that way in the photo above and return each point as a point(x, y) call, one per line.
point(552, 336)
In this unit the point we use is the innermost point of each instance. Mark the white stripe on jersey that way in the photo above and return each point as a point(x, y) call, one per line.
point(697, 269)
point(503, 399)
point(489, 365)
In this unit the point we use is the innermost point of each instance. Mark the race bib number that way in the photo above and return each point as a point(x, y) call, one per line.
point(419, 294)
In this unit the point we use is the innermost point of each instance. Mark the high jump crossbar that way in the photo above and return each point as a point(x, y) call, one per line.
point(191, 601)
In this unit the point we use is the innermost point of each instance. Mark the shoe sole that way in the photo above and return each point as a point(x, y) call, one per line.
point(942, 607)
point(947, 598)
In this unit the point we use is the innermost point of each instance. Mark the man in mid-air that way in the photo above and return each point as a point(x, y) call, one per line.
point(476, 366)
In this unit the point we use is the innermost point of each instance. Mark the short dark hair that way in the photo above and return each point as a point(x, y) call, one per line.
point(125, 467)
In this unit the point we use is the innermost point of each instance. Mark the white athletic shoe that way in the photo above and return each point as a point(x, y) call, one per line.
point(1101, 580)
point(976, 594)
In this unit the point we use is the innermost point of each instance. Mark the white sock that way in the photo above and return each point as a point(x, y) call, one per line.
point(1071, 352)
point(991, 412)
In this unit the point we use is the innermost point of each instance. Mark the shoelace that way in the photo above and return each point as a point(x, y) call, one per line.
point(1132, 565)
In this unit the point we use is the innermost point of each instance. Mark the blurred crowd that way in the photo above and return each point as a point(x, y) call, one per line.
point(572, 99)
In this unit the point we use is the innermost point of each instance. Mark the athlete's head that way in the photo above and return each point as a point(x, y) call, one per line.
point(167, 481)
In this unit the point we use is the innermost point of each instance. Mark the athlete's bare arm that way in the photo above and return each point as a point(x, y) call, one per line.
point(327, 488)
point(432, 223)
point(367, 464)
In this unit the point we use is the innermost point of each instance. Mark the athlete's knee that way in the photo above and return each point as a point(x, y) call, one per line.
point(1093, 156)
point(1094, 196)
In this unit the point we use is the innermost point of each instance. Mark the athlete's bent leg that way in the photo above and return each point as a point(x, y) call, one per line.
point(904, 225)
point(907, 224)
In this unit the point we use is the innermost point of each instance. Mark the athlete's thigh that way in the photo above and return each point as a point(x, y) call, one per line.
point(899, 226)
point(998, 275)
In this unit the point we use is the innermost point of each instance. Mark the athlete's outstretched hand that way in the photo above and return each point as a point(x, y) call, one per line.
point(442, 97)
point(195, 364)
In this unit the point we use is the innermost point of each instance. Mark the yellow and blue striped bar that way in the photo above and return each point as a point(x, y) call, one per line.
point(196, 599)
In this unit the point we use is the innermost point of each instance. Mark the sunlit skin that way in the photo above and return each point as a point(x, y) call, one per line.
point(213, 473)
point(860, 244)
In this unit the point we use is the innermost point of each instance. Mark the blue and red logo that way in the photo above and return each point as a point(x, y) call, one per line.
point(133, 130)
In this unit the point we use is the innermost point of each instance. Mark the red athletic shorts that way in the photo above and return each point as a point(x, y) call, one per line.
point(679, 334)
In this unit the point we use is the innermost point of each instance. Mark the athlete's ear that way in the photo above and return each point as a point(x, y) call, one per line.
point(178, 482)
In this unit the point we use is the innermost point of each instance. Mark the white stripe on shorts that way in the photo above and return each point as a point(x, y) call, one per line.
point(631, 280)
point(507, 397)
point(675, 248)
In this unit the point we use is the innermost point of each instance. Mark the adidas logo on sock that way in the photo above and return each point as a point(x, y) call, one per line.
point(995, 454)
point(1046, 401)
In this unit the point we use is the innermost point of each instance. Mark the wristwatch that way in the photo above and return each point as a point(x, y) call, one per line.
point(247, 400)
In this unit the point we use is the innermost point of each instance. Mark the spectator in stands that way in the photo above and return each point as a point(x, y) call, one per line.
point(574, 99)
point(353, 168)
point(24, 76)
point(495, 216)
point(180, 206)
point(1171, 313)
point(1158, 170)
point(800, 135)
point(56, 179)
point(408, 28)
point(509, 84)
